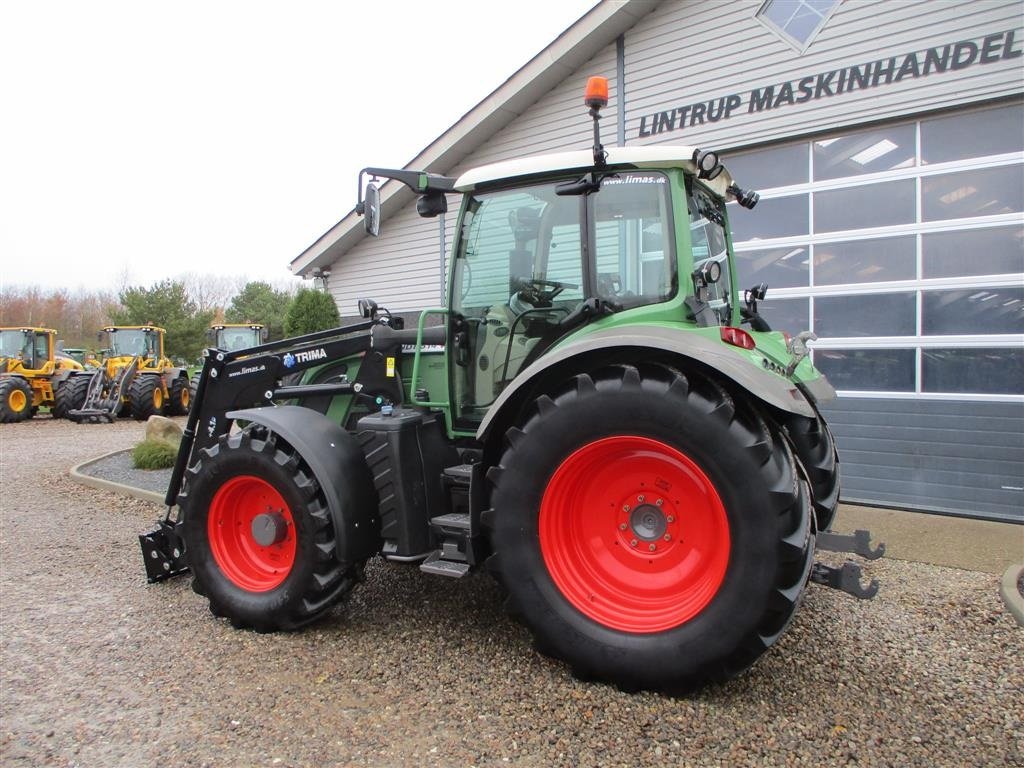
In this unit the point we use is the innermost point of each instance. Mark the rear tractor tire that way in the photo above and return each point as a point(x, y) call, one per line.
point(15, 400)
point(260, 540)
point(146, 397)
point(70, 396)
point(651, 531)
point(181, 396)
point(815, 448)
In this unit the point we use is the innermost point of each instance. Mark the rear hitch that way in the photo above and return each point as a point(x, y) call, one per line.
point(845, 579)
point(858, 543)
point(163, 552)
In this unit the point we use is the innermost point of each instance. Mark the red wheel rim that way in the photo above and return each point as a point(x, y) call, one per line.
point(245, 561)
point(634, 534)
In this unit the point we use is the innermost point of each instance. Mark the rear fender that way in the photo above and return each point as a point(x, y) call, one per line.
point(649, 340)
point(339, 467)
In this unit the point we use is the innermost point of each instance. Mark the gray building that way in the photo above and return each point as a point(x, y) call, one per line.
point(887, 142)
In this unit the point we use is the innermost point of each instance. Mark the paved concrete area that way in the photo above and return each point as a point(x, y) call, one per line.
point(954, 542)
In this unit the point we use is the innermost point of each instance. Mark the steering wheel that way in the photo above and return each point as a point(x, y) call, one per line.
point(540, 293)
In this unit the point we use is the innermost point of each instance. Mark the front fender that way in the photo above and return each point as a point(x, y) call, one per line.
point(769, 387)
point(340, 468)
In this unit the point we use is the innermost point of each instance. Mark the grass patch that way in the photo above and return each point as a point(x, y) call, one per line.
point(154, 454)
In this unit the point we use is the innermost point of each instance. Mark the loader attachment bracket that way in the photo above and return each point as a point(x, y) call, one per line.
point(163, 552)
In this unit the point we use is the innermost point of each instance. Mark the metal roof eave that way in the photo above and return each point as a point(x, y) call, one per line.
point(569, 51)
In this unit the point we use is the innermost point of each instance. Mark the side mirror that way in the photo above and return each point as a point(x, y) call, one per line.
point(264, 333)
point(371, 210)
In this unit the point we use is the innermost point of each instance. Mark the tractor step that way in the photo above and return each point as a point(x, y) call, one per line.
point(452, 524)
point(440, 567)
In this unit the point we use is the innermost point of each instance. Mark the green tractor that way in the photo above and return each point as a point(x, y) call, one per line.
point(588, 416)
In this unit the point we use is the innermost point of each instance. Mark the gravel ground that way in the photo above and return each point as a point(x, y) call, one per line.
point(101, 669)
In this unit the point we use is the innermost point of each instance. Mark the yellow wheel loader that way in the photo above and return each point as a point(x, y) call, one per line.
point(135, 378)
point(32, 372)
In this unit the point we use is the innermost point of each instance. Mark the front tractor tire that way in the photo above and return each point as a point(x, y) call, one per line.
point(651, 531)
point(260, 540)
point(146, 397)
point(15, 400)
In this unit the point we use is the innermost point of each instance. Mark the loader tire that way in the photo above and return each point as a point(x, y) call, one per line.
point(253, 487)
point(193, 385)
point(146, 397)
point(15, 399)
point(815, 449)
point(650, 530)
point(70, 396)
point(180, 396)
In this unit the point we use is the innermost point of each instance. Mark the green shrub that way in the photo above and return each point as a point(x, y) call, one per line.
point(310, 311)
point(154, 454)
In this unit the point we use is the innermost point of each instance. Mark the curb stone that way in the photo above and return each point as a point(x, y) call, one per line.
point(1010, 592)
point(80, 476)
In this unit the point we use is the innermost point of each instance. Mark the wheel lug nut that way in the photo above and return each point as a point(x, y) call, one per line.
point(640, 499)
point(659, 502)
point(653, 547)
point(625, 507)
point(622, 526)
point(633, 543)
point(671, 518)
point(668, 537)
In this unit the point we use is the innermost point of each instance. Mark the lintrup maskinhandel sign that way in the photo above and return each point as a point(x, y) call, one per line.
point(950, 57)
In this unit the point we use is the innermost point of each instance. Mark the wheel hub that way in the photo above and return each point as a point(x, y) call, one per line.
point(269, 528)
point(648, 522)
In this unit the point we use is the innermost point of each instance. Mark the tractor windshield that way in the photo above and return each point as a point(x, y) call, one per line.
point(234, 339)
point(527, 257)
point(707, 240)
point(133, 341)
point(12, 343)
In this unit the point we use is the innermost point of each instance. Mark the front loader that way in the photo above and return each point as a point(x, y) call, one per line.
point(588, 416)
point(135, 378)
point(32, 373)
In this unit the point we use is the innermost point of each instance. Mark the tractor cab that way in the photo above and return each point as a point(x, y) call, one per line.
point(143, 341)
point(232, 337)
point(28, 349)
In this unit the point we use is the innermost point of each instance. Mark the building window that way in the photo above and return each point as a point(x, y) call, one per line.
point(796, 21)
point(901, 246)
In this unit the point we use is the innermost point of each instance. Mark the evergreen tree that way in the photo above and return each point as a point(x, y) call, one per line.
point(310, 311)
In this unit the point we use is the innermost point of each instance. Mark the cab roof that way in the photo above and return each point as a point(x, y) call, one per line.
point(619, 158)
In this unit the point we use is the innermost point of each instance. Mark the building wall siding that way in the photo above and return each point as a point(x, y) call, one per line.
point(959, 457)
point(687, 53)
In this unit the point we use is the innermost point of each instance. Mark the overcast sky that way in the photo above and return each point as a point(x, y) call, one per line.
point(154, 139)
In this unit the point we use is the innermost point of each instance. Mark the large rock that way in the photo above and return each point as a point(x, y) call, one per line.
point(162, 428)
